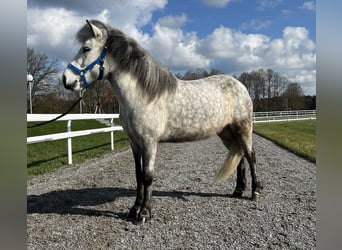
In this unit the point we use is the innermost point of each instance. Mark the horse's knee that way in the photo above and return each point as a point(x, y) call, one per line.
point(147, 178)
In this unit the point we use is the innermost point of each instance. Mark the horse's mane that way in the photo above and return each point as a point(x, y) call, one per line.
point(153, 77)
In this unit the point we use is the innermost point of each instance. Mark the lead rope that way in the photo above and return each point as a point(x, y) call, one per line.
point(60, 116)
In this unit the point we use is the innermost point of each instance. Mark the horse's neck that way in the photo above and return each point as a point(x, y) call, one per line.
point(125, 88)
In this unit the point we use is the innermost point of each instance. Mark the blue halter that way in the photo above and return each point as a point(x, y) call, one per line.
point(82, 72)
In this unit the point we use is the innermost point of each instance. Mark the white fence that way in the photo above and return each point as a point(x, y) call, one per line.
point(258, 117)
point(70, 134)
point(283, 116)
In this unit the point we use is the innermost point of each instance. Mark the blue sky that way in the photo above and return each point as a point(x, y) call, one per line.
point(233, 36)
point(272, 16)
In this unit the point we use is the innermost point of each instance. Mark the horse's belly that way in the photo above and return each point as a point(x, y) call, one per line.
point(184, 137)
point(190, 131)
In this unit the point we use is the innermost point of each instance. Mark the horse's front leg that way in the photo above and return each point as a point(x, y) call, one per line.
point(135, 210)
point(148, 159)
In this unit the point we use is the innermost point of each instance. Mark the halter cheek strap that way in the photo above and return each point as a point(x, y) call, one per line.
point(82, 72)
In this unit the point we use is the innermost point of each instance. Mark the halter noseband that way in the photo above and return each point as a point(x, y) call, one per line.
point(82, 72)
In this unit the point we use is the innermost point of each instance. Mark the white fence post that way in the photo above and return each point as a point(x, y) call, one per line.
point(69, 143)
point(112, 134)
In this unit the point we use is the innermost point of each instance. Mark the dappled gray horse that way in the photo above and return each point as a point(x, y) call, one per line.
point(155, 107)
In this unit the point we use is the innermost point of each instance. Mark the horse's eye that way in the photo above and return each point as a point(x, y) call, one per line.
point(86, 49)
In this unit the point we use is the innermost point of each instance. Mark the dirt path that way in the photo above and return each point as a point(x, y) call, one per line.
point(85, 206)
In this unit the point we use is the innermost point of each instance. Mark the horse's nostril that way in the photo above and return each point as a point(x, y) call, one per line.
point(64, 80)
point(67, 86)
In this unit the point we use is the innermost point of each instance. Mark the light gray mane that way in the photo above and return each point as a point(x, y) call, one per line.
point(153, 78)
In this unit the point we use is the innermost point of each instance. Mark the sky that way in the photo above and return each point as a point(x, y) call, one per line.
point(233, 36)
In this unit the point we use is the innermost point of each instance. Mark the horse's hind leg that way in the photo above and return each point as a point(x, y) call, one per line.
point(244, 135)
point(228, 137)
point(240, 179)
point(256, 184)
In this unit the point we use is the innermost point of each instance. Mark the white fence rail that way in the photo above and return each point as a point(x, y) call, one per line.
point(258, 117)
point(70, 134)
point(283, 116)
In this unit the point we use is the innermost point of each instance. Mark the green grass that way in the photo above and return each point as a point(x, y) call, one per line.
point(298, 137)
point(47, 156)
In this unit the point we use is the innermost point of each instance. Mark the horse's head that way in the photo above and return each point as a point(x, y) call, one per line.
point(90, 62)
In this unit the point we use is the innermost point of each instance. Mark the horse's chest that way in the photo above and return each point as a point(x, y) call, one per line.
point(142, 122)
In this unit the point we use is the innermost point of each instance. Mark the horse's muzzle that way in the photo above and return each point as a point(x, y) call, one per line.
point(68, 85)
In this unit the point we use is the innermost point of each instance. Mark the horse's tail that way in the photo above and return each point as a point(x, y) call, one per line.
point(232, 161)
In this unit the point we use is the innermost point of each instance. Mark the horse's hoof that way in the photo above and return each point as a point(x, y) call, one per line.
point(255, 196)
point(237, 194)
point(140, 220)
point(133, 213)
point(144, 216)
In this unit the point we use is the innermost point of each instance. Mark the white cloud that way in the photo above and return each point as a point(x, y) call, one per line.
point(52, 28)
point(286, 12)
point(219, 44)
point(309, 5)
point(293, 55)
point(173, 21)
point(256, 24)
point(226, 45)
point(48, 24)
point(266, 4)
point(128, 15)
point(172, 46)
point(216, 3)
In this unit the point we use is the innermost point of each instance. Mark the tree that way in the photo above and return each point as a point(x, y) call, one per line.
point(265, 88)
point(294, 96)
point(43, 71)
point(198, 74)
point(100, 98)
point(310, 102)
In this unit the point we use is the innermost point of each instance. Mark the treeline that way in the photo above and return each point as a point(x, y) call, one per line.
point(99, 98)
point(269, 90)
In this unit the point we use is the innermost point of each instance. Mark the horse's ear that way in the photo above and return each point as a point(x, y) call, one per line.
point(98, 34)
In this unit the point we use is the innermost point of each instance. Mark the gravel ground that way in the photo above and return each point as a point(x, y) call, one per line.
point(84, 206)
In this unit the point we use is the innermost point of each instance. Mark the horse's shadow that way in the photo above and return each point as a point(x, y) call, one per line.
point(77, 201)
point(82, 201)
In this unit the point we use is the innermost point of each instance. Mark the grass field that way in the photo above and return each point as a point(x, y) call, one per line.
point(47, 156)
point(297, 136)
